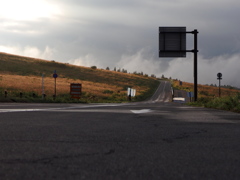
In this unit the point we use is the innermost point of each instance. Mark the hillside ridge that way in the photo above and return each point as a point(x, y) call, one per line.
point(27, 70)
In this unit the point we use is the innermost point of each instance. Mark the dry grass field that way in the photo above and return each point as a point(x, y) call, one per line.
point(206, 91)
point(24, 74)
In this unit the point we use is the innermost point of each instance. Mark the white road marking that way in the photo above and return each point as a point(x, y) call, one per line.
point(73, 108)
point(19, 110)
point(141, 111)
point(93, 110)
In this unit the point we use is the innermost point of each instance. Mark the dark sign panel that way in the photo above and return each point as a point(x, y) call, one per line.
point(172, 41)
point(219, 75)
point(75, 90)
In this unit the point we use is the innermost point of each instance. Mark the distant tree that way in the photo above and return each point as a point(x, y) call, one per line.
point(114, 69)
point(107, 68)
point(124, 71)
point(94, 67)
point(163, 77)
point(119, 70)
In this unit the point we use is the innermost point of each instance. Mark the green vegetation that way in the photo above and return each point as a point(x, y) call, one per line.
point(229, 103)
point(208, 96)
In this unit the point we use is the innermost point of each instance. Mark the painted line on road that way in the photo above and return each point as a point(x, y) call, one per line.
point(18, 110)
point(60, 108)
point(141, 111)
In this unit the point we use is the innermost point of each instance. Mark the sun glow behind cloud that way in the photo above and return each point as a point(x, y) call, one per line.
point(124, 34)
point(27, 10)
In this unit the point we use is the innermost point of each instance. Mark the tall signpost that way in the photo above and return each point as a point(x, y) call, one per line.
point(172, 43)
point(55, 86)
point(219, 75)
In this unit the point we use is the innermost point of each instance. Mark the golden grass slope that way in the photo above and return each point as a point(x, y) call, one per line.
point(24, 74)
point(206, 91)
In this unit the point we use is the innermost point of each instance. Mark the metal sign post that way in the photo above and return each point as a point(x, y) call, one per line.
point(195, 51)
point(55, 86)
point(172, 43)
point(43, 93)
point(219, 75)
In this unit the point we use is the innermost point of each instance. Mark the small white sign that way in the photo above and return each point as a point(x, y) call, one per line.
point(131, 92)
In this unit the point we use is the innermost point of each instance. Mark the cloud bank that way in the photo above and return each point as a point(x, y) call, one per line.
point(124, 34)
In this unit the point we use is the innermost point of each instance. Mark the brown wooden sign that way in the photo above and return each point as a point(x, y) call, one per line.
point(75, 90)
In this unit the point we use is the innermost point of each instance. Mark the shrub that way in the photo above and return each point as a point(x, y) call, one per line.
point(229, 103)
point(93, 67)
point(107, 92)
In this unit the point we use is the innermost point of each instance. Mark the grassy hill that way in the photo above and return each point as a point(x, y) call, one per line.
point(205, 91)
point(208, 96)
point(20, 74)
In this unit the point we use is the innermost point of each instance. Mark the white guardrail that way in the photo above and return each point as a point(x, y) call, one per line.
point(179, 99)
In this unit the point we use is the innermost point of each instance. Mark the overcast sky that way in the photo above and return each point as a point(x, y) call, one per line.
point(124, 34)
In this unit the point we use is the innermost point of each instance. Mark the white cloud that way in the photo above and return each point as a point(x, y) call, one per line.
point(228, 65)
point(139, 62)
point(124, 34)
point(29, 51)
point(27, 9)
point(87, 60)
point(182, 68)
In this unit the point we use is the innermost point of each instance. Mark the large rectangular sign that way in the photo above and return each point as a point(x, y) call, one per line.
point(75, 90)
point(172, 41)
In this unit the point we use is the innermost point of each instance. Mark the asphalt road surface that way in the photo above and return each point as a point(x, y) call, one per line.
point(147, 140)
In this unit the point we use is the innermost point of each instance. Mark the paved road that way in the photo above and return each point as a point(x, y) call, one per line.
point(150, 140)
point(163, 93)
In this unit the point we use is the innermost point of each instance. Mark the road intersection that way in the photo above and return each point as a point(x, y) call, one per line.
point(143, 140)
